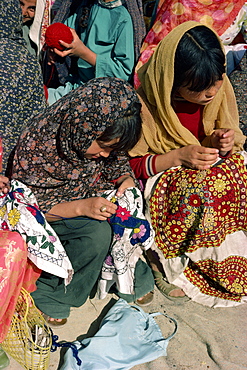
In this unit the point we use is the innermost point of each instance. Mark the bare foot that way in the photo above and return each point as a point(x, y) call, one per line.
point(146, 299)
point(177, 293)
point(51, 319)
point(54, 322)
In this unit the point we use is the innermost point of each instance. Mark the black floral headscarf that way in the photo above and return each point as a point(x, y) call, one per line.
point(21, 83)
point(50, 154)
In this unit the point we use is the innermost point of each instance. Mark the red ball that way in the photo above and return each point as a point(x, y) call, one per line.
point(55, 32)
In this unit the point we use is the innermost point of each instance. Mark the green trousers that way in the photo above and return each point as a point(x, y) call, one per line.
point(87, 243)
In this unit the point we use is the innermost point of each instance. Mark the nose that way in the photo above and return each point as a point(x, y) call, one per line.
point(211, 92)
point(104, 154)
point(24, 10)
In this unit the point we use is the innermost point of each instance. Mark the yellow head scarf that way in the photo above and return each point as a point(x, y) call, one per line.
point(162, 130)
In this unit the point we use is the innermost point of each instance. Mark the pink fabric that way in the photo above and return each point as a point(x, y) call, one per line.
point(16, 271)
point(217, 14)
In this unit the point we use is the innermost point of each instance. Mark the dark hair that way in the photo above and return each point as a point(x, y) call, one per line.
point(126, 128)
point(83, 12)
point(199, 60)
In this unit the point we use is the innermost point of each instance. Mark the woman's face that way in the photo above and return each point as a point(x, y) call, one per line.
point(203, 97)
point(99, 149)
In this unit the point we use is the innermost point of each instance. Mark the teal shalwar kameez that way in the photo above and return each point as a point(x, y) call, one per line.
point(110, 36)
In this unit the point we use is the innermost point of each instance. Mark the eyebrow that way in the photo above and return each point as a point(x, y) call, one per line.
point(102, 145)
point(105, 146)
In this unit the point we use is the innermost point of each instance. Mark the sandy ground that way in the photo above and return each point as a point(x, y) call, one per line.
point(206, 338)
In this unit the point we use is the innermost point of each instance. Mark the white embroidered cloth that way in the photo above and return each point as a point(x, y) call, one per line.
point(19, 212)
point(132, 234)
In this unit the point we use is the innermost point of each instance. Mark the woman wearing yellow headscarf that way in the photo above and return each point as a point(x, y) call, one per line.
point(192, 143)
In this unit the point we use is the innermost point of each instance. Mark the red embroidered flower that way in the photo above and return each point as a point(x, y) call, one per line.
point(175, 230)
point(194, 200)
point(4, 226)
point(122, 213)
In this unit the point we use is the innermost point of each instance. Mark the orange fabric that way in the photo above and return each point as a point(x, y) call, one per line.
point(16, 271)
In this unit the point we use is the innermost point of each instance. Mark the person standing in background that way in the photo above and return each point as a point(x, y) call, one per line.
point(21, 84)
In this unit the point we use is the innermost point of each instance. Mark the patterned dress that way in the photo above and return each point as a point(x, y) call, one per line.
point(21, 86)
point(199, 218)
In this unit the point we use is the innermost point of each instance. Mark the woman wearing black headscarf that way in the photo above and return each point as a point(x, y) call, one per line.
point(68, 156)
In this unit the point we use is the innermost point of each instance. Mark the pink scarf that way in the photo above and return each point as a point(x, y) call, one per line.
point(217, 14)
point(16, 271)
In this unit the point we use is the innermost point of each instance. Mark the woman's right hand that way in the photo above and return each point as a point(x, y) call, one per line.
point(95, 207)
point(98, 208)
point(197, 157)
point(76, 48)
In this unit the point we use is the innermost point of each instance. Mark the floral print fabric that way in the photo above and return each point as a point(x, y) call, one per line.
point(50, 154)
point(132, 234)
point(194, 213)
point(21, 85)
point(19, 212)
point(16, 271)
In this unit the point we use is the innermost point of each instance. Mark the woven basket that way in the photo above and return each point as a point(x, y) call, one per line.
point(22, 342)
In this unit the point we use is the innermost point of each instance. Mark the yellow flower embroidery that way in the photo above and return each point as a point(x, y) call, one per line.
point(237, 288)
point(208, 220)
point(200, 176)
point(3, 211)
point(219, 185)
point(14, 216)
point(183, 183)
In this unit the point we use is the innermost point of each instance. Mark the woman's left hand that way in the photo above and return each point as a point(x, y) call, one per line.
point(4, 184)
point(223, 139)
point(125, 183)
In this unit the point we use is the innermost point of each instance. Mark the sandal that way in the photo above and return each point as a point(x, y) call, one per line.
point(166, 288)
point(146, 300)
point(54, 322)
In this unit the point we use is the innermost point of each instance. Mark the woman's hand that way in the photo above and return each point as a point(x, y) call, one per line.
point(223, 139)
point(51, 56)
point(124, 183)
point(198, 157)
point(77, 49)
point(98, 208)
point(4, 184)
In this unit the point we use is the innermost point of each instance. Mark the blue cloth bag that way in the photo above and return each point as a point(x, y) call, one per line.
point(127, 336)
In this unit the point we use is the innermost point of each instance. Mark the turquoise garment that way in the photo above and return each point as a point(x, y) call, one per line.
point(31, 47)
point(127, 336)
point(111, 39)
